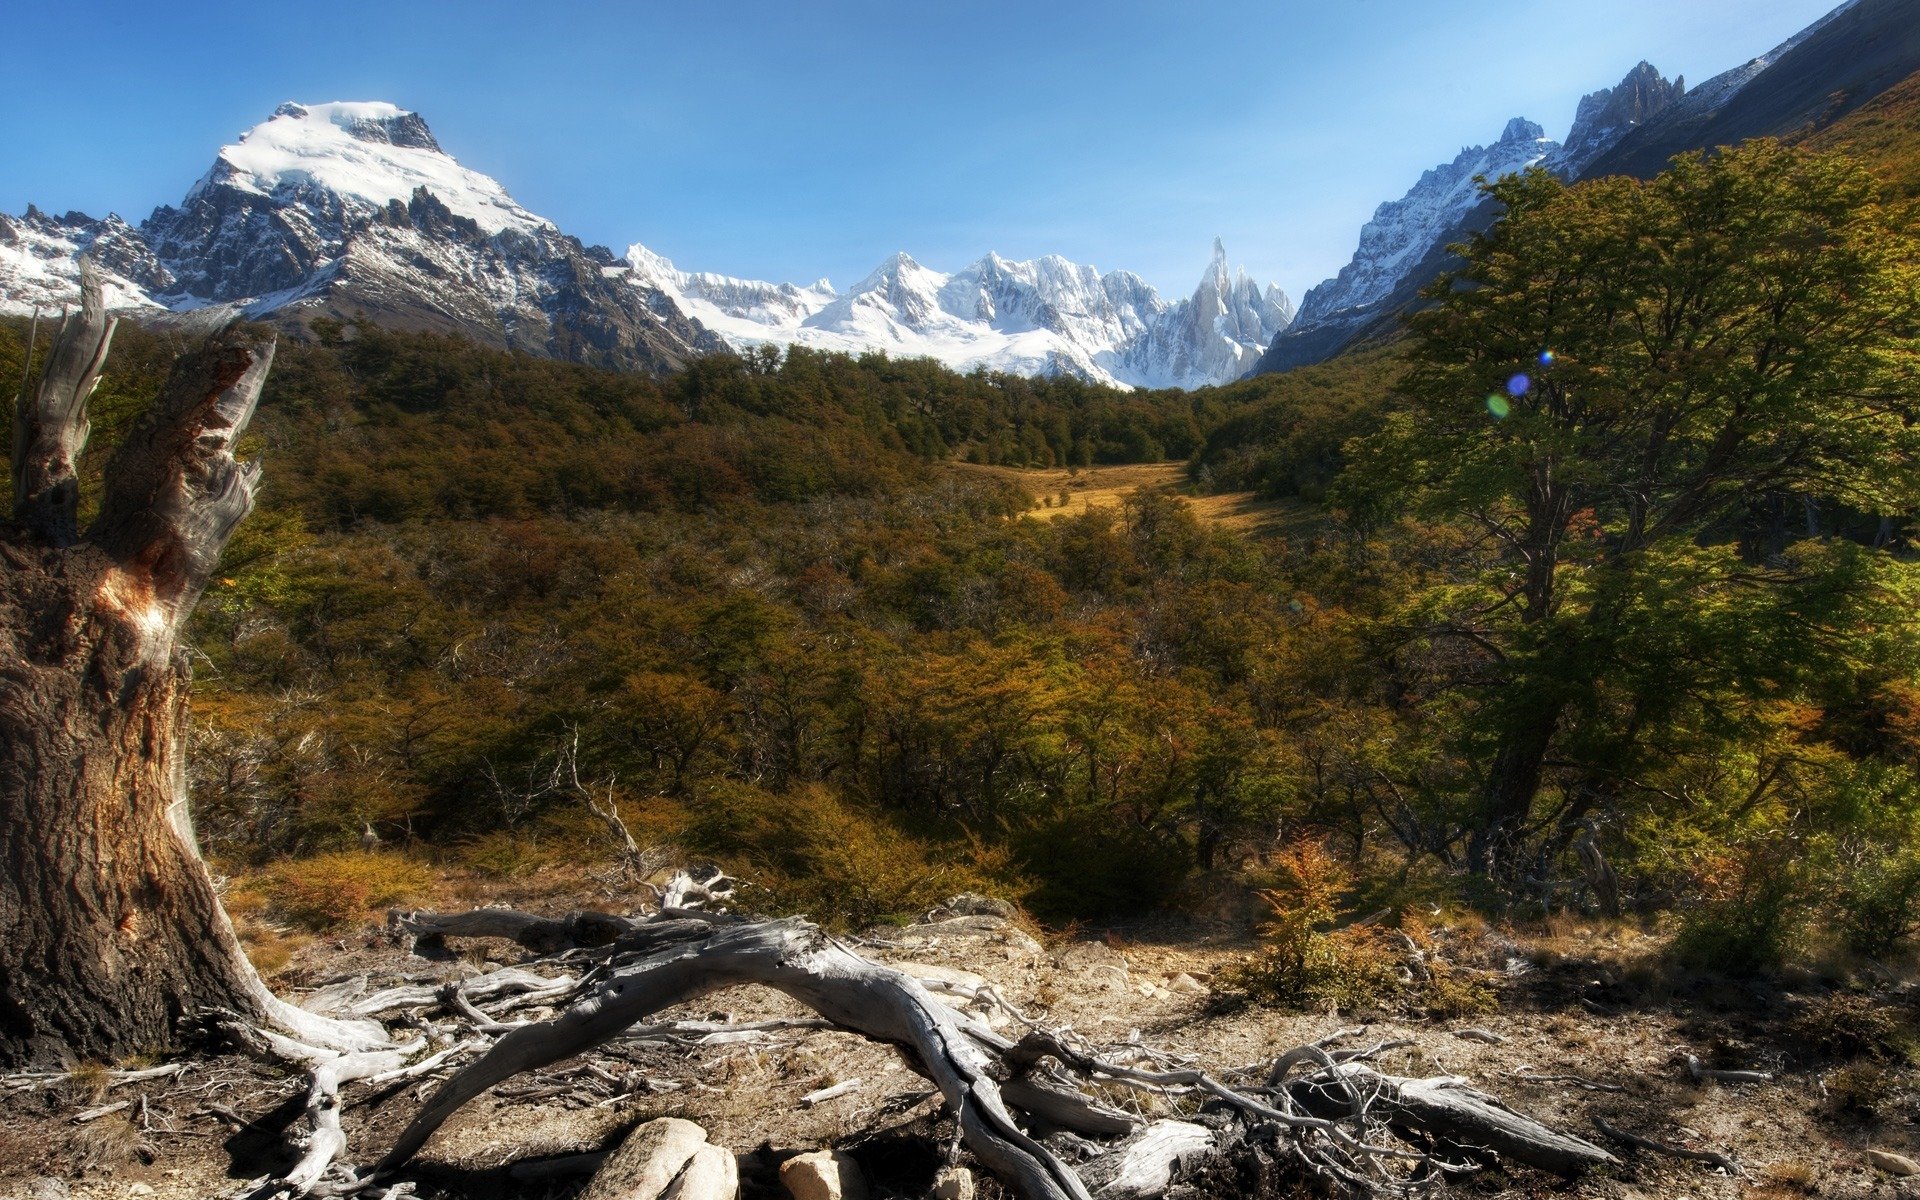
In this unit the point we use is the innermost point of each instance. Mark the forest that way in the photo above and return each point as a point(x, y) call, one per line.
point(1600, 603)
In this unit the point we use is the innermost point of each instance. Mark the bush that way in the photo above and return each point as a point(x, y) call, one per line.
point(1752, 911)
point(1306, 962)
point(1087, 868)
point(836, 862)
point(332, 890)
point(1846, 1025)
point(1879, 902)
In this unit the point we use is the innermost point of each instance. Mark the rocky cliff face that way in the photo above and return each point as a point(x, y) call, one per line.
point(1606, 116)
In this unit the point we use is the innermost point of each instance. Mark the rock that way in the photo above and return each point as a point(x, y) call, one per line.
point(711, 1174)
point(648, 1162)
point(823, 1175)
point(954, 1184)
point(973, 904)
point(1893, 1164)
point(1186, 985)
point(140, 1189)
point(46, 1187)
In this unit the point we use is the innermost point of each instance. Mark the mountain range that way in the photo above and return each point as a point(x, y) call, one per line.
point(354, 209)
point(344, 209)
point(1044, 317)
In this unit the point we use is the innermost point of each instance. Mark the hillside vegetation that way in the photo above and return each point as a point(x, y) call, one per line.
point(755, 604)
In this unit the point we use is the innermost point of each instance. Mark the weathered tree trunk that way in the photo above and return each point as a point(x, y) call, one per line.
point(1497, 847)
point(110, 930)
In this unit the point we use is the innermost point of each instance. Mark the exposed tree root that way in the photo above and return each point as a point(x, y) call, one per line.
point(1323, 1108)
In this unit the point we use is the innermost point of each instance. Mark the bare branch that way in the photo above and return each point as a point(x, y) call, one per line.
point(174, 492)
point(50, 430)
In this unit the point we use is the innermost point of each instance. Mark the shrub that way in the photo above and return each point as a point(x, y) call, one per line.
point(1879, 902)
point(835, 861)
point(1864, 1091)
point(1752, 910)
point(1306, 962)
point(332, 890)
point(1847, 1025)
point(1088, 868)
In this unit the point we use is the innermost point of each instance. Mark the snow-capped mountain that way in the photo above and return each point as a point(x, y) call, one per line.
point(1841, 61)
point(1397, 247)
point(354, 209)
point(40, 262)
point(1403, 230)
point(1042, 317)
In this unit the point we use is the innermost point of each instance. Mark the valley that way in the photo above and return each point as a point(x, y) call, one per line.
point(487, 717)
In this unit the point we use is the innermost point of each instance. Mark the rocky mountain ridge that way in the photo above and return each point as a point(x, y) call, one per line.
point(1046, 316)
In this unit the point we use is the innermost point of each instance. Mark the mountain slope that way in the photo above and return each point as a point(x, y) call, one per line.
point(1047, 316)
point(1809, 81)
point(1402, 230)
point(40, 262)
point(343, 209)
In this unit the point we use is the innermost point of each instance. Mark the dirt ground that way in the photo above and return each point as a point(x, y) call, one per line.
point(1572, 1002)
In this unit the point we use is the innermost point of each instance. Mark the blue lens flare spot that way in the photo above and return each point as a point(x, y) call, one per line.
point(1546, 358)
point(1518, 385)
point(1498, 406)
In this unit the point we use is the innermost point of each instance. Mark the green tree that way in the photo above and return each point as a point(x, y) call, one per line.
point(1622, 370)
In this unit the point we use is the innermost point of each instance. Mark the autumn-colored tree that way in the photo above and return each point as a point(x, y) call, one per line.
point(1622, 372)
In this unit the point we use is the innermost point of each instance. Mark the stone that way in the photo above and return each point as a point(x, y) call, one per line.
point(648, 1162)
point(973, 904)
point(140, 1189)
point(711, 1174)
point(823, 1175)
point(1893, 1164)
point(1186, 985)
point(46, 1187)
point(955, 1183)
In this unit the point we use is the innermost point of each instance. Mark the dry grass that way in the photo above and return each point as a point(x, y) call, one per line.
point(1060, 492)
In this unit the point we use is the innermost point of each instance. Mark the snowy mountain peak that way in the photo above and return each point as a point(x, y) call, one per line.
point(353, 209)
point(367, 121)
point(1606, 116)
point(359, 155)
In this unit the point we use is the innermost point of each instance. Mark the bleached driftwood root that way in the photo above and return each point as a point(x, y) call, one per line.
point(1324, 1109)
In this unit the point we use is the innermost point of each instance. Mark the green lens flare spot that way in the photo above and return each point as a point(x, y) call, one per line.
point(1499, 406)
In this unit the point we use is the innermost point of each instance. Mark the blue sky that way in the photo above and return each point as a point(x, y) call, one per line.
point(794, 140)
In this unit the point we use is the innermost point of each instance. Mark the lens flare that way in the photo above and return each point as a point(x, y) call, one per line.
point(1546, 358)
point(1518, 385)
point(1498, 406)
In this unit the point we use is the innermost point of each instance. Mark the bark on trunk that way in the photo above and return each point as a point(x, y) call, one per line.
point(110, 930)
point(1498, 847)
